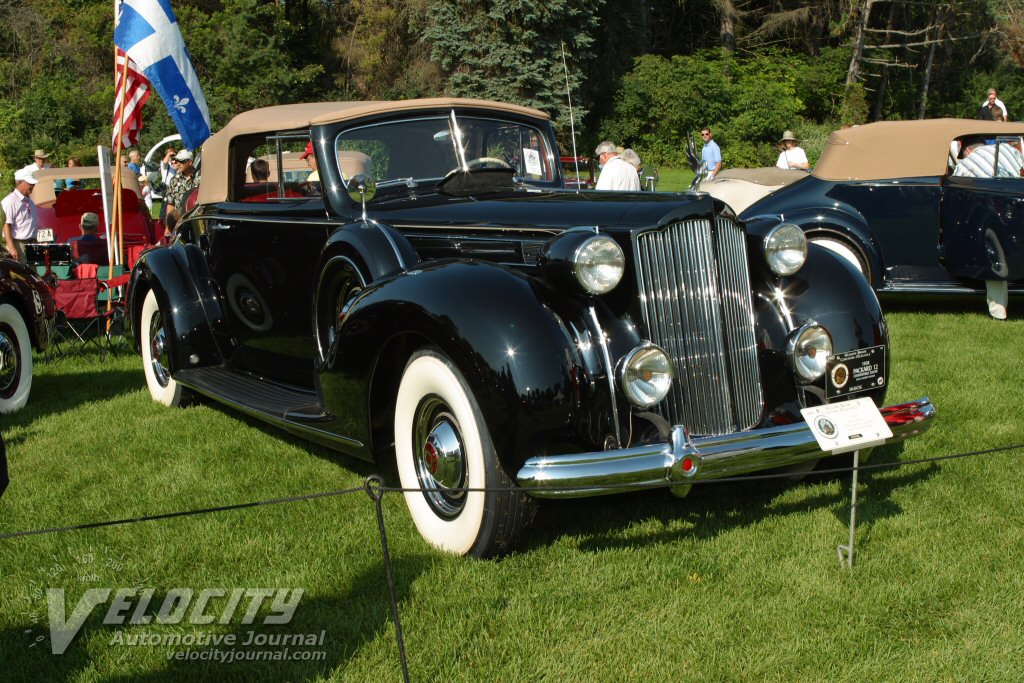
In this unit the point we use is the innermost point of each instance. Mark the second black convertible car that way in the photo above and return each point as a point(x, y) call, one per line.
point(931, 206)
point(430, 295)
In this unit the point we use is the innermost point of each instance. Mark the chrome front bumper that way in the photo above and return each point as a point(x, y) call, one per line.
point(685, 461)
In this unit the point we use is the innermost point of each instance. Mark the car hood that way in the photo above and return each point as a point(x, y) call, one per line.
point(545, 209)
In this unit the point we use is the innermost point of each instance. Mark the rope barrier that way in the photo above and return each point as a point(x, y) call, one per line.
point(398, 489)
point(375, 489)
point(183, 513)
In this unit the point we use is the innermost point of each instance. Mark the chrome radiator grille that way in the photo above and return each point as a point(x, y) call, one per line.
point(695, 295)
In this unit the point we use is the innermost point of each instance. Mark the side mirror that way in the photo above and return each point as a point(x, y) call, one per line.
point(361, 188)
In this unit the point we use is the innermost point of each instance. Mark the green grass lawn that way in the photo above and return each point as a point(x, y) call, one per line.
point(737, 582)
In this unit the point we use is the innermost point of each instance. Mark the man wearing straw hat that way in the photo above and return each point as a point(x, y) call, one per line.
point(38, 161)
point(792, 156)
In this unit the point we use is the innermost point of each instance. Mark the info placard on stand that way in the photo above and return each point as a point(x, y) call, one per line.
point(843, 427)
point(847, 426)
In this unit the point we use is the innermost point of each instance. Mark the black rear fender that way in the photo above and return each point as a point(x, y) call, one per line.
point(181, 280)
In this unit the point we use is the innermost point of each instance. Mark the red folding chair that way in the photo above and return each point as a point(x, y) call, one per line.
point(113, 284)
point(78, 319)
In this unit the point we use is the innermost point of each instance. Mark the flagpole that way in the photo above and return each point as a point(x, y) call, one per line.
point(118, 256)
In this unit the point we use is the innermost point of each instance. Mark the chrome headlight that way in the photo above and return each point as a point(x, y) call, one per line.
point(808, 349)
point(785, 249)
point(599, 264)
point(645, 375)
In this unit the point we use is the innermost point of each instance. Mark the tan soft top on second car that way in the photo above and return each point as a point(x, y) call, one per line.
point(44, 192)
point(285, 117)
point(900, 149)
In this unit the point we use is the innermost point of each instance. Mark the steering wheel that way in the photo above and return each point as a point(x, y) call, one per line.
point(487, 162)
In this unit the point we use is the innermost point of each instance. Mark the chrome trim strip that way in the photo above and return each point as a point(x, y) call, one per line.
point(391, 241)
point(609, 369)
point(578, 475)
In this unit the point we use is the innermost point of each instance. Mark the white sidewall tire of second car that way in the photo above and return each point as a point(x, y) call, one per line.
point(169, 395)
point(428, 375)
point(848, 253)
point(10, 317)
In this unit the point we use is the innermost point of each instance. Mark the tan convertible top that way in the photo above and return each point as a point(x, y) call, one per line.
point(44, 193)
point(900, 149)
point(214, 186)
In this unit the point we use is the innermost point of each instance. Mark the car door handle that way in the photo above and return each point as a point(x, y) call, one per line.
point(220, 226)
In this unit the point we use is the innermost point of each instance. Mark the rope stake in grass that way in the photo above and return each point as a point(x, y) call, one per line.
point(374, 487)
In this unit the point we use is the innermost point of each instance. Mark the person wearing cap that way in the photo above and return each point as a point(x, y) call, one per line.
point(19, 215)
point(792, 156)
point(185, 180)
point(993, 108)
point(312, 183)
point(616, 174)
point(89, 223)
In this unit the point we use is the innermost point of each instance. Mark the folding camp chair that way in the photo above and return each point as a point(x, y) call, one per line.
point(78, 319)
point(113, 283)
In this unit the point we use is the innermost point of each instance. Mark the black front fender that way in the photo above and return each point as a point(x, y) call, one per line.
point(496, 325)
point(827, 290)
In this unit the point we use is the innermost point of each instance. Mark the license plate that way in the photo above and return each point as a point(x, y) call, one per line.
point(44, 235)
point(855, 371)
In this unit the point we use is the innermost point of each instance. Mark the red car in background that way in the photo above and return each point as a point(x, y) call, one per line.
point(578, 173)
point(60, 209)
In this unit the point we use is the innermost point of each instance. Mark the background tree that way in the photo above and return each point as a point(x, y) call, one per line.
point(512, 50)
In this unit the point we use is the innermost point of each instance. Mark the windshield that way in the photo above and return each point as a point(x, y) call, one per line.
point(427, 149)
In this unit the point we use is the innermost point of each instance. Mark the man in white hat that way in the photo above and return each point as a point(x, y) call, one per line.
point(19, 215)
point(792, 156)
point(186, 178)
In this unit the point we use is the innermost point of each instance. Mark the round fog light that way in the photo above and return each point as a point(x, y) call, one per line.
point(646, 375)
point(808, 349)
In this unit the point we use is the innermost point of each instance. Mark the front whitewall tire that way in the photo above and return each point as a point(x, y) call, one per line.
point(429, 375)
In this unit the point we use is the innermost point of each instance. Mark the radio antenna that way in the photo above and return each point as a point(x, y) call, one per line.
point(572, 121)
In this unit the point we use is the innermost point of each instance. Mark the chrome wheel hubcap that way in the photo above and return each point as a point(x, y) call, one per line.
point(8, 363)
point(158, 350)
point(440, 464)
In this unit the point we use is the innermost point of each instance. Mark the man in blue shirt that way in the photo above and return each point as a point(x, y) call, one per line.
point(134, 163)
point(711, 154)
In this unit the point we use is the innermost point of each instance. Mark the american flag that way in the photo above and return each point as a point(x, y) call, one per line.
point(134, 91)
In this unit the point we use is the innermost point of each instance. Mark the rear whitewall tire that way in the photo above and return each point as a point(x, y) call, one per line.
point(15, 360)
point(155, 354)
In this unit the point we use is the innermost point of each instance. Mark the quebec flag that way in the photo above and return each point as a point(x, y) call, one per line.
point(148, 31)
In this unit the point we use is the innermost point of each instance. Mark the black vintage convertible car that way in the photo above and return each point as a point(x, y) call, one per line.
point(430, 295)
point(932, 206)
point(26, 322)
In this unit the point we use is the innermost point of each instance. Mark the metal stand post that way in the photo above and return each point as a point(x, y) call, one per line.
point(846, 551)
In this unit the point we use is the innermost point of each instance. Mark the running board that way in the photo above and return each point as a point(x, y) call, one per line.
point(253, 395)
point(900, 287)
